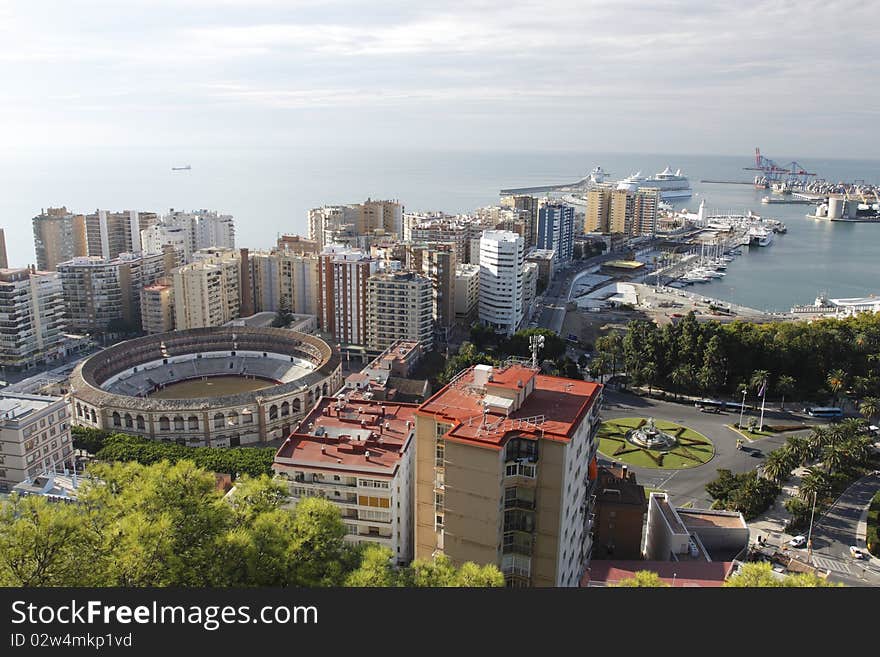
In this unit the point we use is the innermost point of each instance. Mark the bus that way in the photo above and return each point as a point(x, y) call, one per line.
point(824, 411)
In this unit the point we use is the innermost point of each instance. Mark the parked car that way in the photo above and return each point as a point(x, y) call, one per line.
point(857, 553)
point(798, 541)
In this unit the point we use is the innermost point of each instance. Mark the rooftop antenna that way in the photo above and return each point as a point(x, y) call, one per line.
point(536, 343)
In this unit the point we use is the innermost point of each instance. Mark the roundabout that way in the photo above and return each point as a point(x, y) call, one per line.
point(646, 443)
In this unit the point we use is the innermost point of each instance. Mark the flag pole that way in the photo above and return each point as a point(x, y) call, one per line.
point(763, 399)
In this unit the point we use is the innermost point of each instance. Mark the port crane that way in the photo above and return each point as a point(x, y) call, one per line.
point(793, 172)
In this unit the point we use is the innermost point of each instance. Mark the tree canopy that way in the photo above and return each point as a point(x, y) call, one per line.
point(167, 524)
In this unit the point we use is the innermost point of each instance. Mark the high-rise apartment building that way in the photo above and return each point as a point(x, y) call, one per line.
point(632, 212)
point(34, 437)
point(59, 235)
point(467, 294)
point(528, 204)
point(358, 455)
point(154, 238)
point(505, 471)
point(437, 261)
point(285, 277)
point(4, 260)
point(342, 288)
point(105, 294)
point(645, 207)
point(345, 223)
point(31, 318)
point(399, 307)
point(157, 307)
point(556, 229)
point(203, 229)
point(501, 280)
point(530, 290)
point(297, 244)
point(206, 291)
point(110, 233)
point(516, 220)
point(597, 216)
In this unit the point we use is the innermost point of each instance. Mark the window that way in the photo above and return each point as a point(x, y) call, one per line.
point(381, 502)
point(520, 470)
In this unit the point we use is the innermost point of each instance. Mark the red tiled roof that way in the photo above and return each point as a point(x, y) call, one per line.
point(348, 434)
point(677, 573)
point(562, 402)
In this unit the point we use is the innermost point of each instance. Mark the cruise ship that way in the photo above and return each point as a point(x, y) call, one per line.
point(672, 186)
point(760, 236)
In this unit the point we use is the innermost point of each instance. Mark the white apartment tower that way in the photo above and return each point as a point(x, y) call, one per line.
point(501, 280)
point(31, 317)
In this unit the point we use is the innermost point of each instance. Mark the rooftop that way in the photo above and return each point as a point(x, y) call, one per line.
point(687, 573)
point(359, 435)
point(549, 406)
point(705, 518)
point(17, 406)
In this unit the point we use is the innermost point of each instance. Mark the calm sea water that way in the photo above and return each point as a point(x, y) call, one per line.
point(270, 192)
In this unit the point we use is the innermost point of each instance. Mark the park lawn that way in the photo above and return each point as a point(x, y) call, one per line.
point(749, 435)
point(612, 432)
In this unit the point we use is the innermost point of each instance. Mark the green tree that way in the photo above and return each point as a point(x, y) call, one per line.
point(758, 379)
point(836, 380)
point(253, 496)
point(761, 575)
point(785, 386)
point(778, 465)
point(283, 316)
point(610, 345)
point(682, 378)
point(713, 373)
point(375, 569)
point(317, 549)
point(643, 579)
point(814, 483)
point(870, 408)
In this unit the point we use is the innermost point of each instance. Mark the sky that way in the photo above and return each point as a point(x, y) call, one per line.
point(611, 76)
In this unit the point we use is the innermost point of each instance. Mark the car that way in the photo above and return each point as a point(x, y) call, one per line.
point(798, 541)
point(857, 553)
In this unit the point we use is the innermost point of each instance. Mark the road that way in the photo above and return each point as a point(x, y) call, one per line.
point(836, 531)
point(689, 485)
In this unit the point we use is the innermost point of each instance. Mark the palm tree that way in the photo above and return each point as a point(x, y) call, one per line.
point(818, 439)
point(777, 467)
point(836, 457)
point(798, 449)
point(785, 385)
point(682, 377)
point(815, 481)
point(759, 377)
point(870, 408)
point(836, 382)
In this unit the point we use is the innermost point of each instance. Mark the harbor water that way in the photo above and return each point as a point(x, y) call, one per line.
point(270, 192)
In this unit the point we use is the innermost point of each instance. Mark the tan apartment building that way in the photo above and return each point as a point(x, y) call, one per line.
point(285, 276)
point(34, 437)
point(342, 284)
point(59, 235)
point(504, 475)
point(345, 223)
point(109, 234)
point(399, 307)
point(357, 454)
point(467, 294)
point(157, 307)
point(437, 261)
point(597, 216)
point(206, 292)
point(297, 244)
point(528, 204)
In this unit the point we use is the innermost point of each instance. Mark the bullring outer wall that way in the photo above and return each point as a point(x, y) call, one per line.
point(240, 419)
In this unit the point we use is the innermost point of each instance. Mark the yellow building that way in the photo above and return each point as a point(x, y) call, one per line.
point(505, 467)
point(207, 292)
point(597, 214)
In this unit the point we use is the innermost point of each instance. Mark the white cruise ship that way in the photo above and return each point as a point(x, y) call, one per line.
point(671, 185)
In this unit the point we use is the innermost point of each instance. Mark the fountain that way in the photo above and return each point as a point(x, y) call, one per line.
point(650, 437)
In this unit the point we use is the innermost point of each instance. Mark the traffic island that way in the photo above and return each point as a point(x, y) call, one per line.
point(646, 443)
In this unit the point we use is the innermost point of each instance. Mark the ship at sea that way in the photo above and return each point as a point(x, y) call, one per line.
point(183, 168)
point(672, 186)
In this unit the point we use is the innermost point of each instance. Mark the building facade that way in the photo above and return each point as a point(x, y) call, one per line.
point(359, 456)
point(399, 307)
point(467, 294)
point(34, 437)
point(556, 230)
point(505, 472)
point(59, 235)
point(109, 234)
point(157, 307)
point(100, 293)
point(32, 320)
point(206, 291)
point(342, 282)
point(501, 280)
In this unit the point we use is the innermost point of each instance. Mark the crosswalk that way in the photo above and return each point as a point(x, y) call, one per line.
point(832, 564)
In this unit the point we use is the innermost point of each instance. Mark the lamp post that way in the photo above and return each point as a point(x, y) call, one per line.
point(742, 409)
point(810, 533)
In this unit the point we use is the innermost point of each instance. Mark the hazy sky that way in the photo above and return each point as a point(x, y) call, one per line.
point(616, 75)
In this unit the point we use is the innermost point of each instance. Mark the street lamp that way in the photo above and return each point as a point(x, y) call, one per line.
point(810, 533)
point(742, 409)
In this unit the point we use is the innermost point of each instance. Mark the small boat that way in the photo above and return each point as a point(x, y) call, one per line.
point(183, 168)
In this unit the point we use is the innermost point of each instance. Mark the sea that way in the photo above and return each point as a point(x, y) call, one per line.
point(269, 192)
